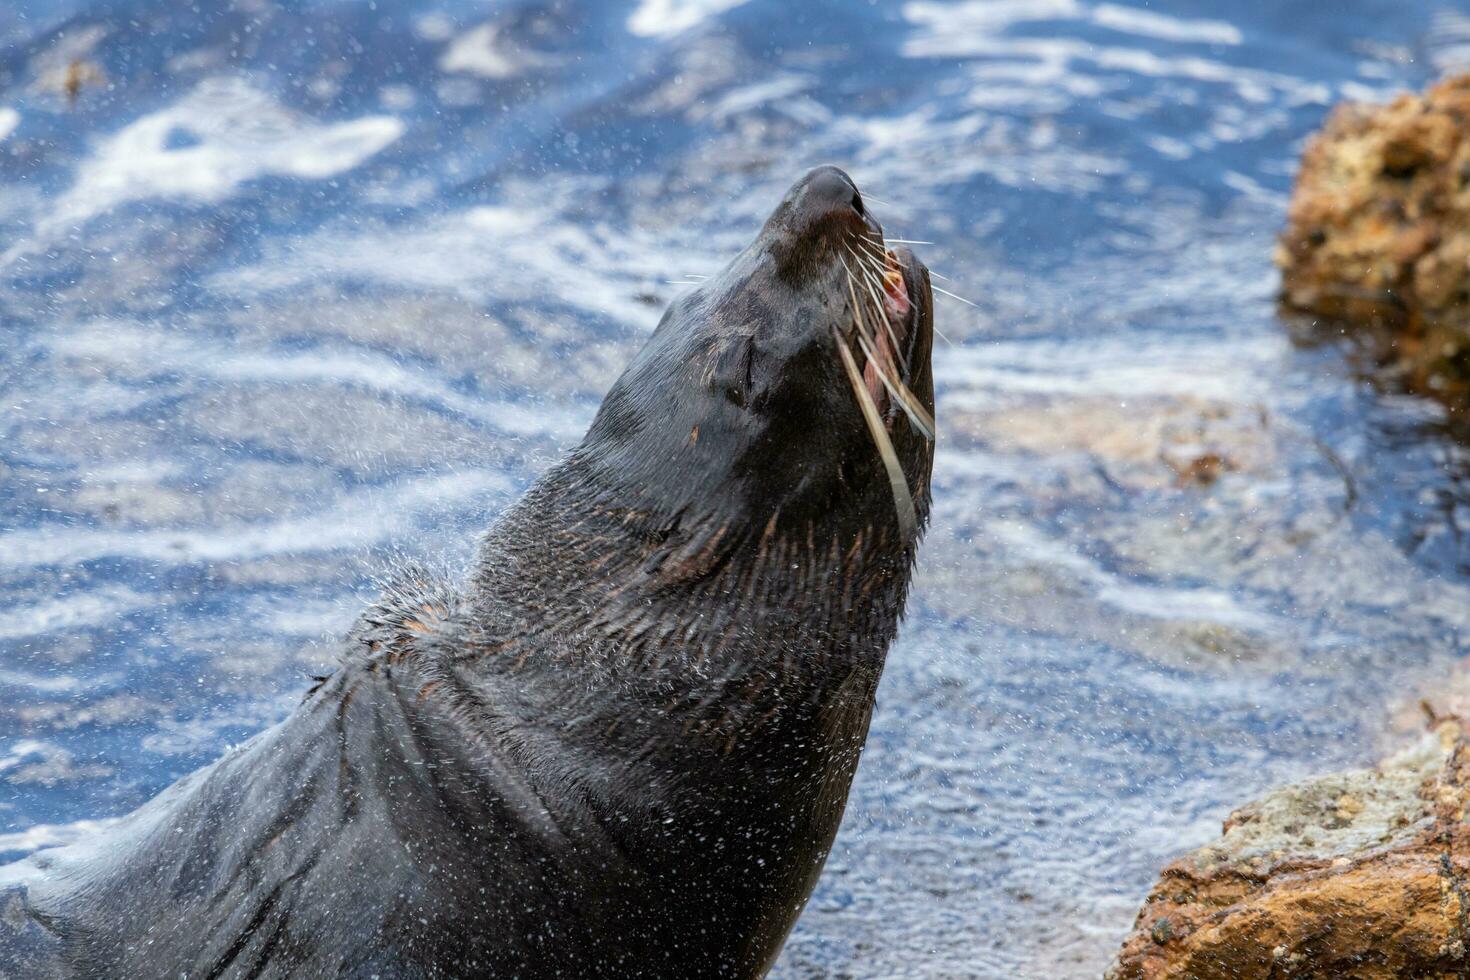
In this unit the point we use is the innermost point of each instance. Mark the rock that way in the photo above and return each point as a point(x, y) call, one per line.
point(1378, 232)
point(1353, 876)
point(1147, 442)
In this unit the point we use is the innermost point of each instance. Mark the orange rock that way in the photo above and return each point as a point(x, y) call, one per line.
point(1357, 876)
point(1378, 232)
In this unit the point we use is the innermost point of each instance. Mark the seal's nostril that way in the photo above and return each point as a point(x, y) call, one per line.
point(826, 190)
point(857, 203)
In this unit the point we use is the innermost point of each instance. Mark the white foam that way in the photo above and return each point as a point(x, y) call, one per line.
point(46, 835)
point(974, 376)
point(434, 27)
point(484, 51)
point(76, 611)
point(26, 748)
point(354, 523)
point(921, 151)
point(524, 253)
point(663, 18)
point(964, 21)
point(54, 683)
point(1202, 604)
point(1140, 599)
point(126, 350)
point(979, 17)
point(228, 133)
point(397, 97)
point(974, 30)
point(9, 119)
point(1146, 23)
point(777, 89)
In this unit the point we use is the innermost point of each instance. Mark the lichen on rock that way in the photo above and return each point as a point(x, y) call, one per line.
point(1378, 232)
point(1362, 876)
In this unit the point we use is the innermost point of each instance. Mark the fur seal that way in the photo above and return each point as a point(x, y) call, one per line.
point(623, 746)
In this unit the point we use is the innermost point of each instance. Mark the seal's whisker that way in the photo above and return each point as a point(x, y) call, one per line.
point(857, 307)
point(872, 283)
point(867, 339)
point(877, 249)
point(864, 264)
point(867, 262)
point(937, 332)
point(869, 258)
point(876, 272)
point(887, 323)
point(903, 500)
point(906, 241)
point(918, 415)
point(954, 296)
point(858, 304)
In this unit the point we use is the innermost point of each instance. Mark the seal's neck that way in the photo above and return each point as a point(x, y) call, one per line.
point(592, 581)
point(690, 691)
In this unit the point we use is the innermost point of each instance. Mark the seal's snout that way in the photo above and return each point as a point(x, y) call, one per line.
point(820, 212)
point(777, 378)
point(828, 190)
point(826, 198)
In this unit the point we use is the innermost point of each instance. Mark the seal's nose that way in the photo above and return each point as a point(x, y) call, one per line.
point(815, 225)
point(827, 189)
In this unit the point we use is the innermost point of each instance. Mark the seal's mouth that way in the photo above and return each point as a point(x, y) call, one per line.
point(877, 349)
point(886, 368)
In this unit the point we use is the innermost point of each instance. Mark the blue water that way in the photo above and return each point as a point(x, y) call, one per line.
point(291, 288)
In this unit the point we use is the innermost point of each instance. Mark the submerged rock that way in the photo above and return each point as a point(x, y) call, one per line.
point(1362, 875)
point(1378, 231)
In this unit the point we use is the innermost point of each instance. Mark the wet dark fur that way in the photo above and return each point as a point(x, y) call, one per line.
point(622, 748)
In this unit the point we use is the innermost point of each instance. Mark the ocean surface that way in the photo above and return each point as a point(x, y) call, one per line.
point(291, 289)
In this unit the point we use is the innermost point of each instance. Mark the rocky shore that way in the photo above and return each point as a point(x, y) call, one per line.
point(1378, 233)
point(1361, 875)
point(1358, 875)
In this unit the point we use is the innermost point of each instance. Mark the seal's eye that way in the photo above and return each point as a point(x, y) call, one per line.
point(857, 202)
point(730, 365)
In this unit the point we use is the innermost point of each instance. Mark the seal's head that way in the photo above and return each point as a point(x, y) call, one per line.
point(793, 387)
